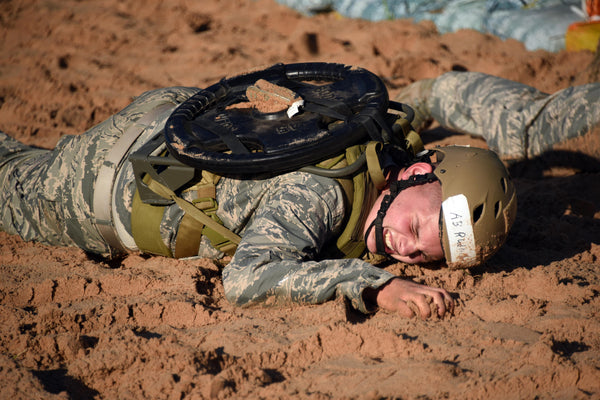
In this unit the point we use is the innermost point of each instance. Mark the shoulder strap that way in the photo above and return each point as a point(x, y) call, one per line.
point(195, 212)
point(412, 140)
point(364, 192)
point(200, 219)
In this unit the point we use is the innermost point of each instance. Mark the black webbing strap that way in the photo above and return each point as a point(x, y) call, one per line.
point(226, 135)
point(330, 108)
point(375, 124)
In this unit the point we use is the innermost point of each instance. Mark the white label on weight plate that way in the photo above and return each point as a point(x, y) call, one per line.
point(295, 108)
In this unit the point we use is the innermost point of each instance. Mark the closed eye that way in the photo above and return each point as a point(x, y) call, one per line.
point(414, 228)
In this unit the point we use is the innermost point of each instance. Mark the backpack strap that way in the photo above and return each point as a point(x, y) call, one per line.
point(363, 194)
point(145, 227)
point(199, 220)
point(374, 166)
point(412, 140)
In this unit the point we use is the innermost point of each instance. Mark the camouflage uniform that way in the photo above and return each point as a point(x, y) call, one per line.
point(517, 121)
point(284, 221)
point(47, 195)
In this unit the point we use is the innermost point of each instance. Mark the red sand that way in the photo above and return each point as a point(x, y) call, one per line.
point(527, 324)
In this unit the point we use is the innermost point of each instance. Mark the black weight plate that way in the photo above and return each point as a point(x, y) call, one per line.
point(340, 101)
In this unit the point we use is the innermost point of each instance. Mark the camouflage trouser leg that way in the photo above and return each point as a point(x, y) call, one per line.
point(517, 121)
point(46, 195)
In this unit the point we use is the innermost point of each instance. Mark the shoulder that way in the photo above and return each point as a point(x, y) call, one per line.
point(305, 190)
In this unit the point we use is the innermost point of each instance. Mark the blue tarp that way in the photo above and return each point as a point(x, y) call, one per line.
point(539, 24)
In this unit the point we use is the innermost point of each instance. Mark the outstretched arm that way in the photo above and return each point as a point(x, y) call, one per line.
point(276, 260)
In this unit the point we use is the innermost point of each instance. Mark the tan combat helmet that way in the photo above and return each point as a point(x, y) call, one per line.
point(479, 204)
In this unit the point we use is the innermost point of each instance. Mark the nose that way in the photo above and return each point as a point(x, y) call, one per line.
point(408, 246)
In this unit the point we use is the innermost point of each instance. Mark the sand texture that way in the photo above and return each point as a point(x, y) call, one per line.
point(526, 325)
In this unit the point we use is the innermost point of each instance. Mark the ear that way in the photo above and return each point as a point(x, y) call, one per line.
point(419, 168)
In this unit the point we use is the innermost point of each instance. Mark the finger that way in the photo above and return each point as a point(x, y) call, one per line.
point(440, 302)
point(423, 305)
point(404, 310)
point(448, 302)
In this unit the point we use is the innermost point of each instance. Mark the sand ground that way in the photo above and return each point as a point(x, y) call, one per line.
point(527, 324)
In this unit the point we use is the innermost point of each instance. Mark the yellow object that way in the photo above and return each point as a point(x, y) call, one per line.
point(583, 36)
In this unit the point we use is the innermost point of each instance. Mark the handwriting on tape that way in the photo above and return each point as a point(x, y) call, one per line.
point(457, 218)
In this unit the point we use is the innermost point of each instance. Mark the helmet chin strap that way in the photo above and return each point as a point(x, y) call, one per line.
point(395, 188)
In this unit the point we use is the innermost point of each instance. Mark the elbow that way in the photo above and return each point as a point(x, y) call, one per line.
point(234, 287)
point(246, 281)
point(234, 297)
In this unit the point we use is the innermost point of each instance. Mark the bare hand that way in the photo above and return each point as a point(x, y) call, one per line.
point(397, 295)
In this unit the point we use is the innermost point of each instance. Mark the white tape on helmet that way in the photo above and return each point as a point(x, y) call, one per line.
point(459, 229)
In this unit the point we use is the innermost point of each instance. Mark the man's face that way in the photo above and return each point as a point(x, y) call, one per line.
point(411, 224)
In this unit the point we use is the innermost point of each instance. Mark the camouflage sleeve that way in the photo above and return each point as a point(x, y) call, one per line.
point(278, 252)
point(517, 121)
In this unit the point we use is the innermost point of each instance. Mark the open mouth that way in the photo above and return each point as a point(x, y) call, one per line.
point(388, 242)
